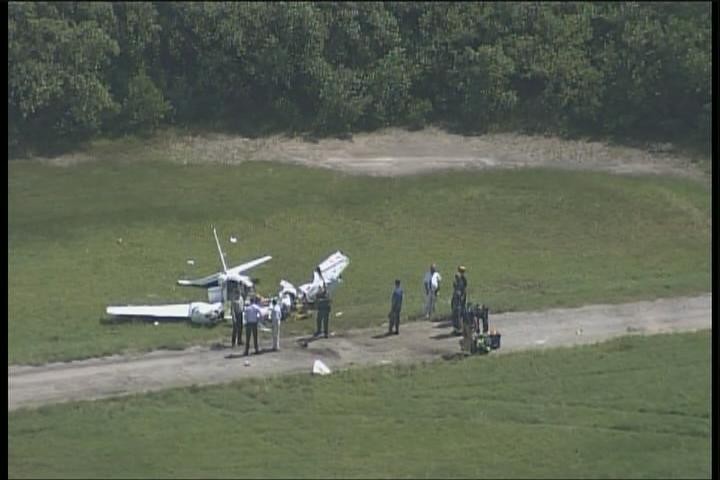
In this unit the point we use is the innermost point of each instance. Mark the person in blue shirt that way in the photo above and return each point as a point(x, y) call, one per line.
point(395, 307)
point(252, 317)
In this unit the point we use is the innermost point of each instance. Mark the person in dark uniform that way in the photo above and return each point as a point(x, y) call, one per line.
point(323, 312)
point(395, 307)
point(459, 298)
point(469, 321)
point(236, 308)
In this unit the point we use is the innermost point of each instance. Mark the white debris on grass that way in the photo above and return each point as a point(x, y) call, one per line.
point(339, 314)
point(233, 239)
point(319, 368)
point(191, 262)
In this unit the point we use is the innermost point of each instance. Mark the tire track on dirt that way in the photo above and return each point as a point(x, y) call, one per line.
point(33, 386)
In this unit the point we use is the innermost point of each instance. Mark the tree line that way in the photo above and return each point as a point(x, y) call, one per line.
point(78, 69)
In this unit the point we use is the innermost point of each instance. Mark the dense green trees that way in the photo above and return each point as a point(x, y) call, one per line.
point(627, 69)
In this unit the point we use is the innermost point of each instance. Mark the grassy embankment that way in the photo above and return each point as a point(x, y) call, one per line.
point(634, 407)
point(531, 239)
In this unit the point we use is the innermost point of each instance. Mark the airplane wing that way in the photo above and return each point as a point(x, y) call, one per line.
point(207, 282)
point(197, 312)
point(212, 280)
point(247, 266)
point(333, 266)
point(161, 311)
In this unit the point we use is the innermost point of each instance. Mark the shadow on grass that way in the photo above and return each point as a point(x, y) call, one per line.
point(443, 336)
point(305, 341)
point(112, 321)
point(325, 352)
point(454, 356)
point(381, 335)
point(443, 324)
point(251, 353)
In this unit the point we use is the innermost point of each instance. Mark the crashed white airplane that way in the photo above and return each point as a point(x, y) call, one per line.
point(218, 285)
point(327, 275)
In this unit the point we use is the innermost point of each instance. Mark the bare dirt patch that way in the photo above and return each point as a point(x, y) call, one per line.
point(394, 151)
point(418, 341)
point(399, 152)
point(66, 160)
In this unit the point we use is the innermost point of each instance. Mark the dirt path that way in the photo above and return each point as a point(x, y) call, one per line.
point(418, 341)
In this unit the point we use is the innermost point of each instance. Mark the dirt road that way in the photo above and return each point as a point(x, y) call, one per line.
point(418, 341)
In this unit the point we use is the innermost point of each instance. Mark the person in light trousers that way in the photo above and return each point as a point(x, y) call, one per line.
point(276, 317)
point(431, 283)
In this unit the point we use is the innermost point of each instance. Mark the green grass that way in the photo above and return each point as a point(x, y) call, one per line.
point(634, 407)
point(531, 239)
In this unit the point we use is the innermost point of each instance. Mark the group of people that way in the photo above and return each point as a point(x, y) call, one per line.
point(250, 316)
point(431, 284)
point(250, 313)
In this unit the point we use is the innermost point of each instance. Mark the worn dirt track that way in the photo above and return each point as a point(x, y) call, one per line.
point(418, 341)
point(395, 152)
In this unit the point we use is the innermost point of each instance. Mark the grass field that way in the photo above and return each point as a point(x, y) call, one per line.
point(530, 239)
point(634, 407)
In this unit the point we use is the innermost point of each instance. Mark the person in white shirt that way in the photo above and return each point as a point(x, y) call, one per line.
point(276, 317)
point(431, 283)
point(252, 317)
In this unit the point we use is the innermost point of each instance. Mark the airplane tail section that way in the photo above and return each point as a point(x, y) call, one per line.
point(287, 288)
point(333, 266)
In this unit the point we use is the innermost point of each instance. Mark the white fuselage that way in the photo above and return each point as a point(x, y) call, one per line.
point(328, 275)
point(206, 313)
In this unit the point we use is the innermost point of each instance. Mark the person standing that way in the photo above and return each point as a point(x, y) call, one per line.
point(459, 298)
point(395, 308)
point(276, 316)
point(432, 287)
point(323, 312)
point(236, 308)
point(252, 317)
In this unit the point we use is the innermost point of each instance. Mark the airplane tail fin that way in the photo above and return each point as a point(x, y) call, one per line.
point(287, 287)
